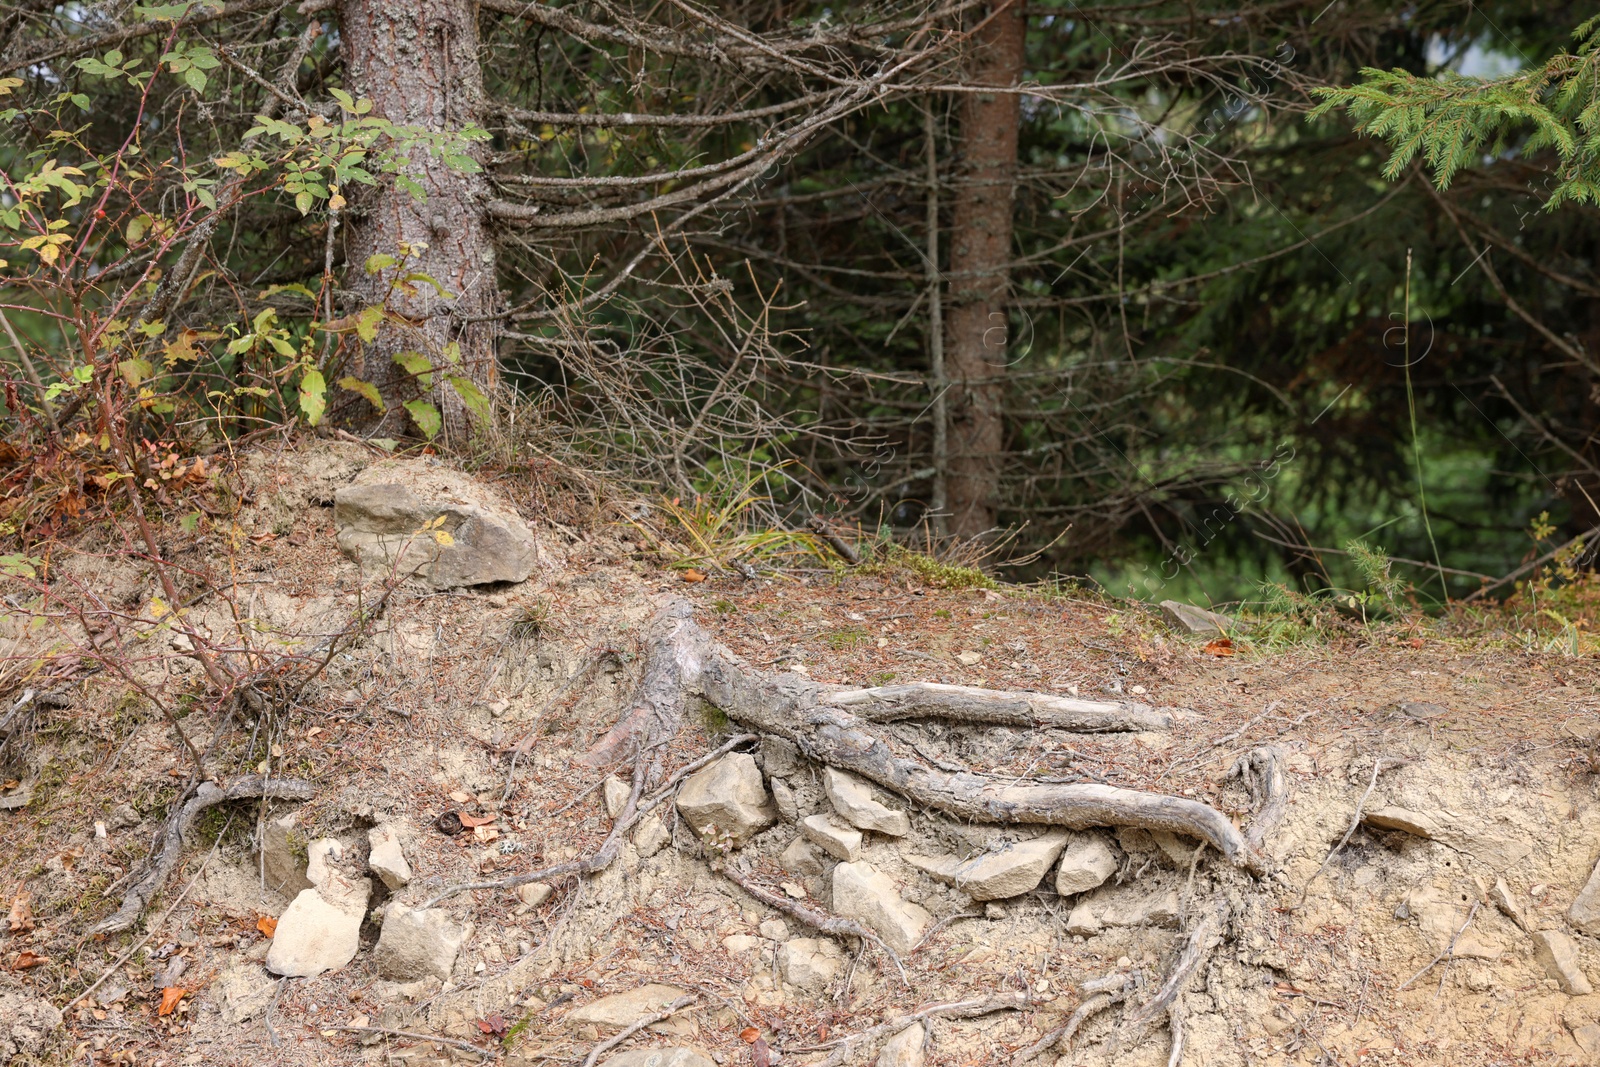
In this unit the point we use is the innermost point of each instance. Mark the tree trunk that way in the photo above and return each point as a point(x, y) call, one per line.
point(417, 61)
point(980, 253)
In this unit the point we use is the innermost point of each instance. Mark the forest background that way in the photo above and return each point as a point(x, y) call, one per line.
point(1091, 289)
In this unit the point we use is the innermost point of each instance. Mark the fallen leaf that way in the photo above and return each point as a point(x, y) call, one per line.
point(493, 1024)
point(749, 1035)
point(313, 732)
point(10, 783)
point(460, 797)
point(760, 1054)
point(485, 834)
point(169, 999)
point(1415, 642)
point(267, 925)
point(20, 917)
point(474, 821)
point(1222, 646)
point(28, 958)
point(692, 575)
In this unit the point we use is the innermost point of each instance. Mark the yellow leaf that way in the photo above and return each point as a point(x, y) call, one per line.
point(158, 607)
point(444, 538)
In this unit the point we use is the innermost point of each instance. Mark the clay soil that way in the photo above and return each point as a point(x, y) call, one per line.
point(1398, 949)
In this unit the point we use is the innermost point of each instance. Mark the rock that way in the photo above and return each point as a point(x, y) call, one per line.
point(800, 858)
point(651, 836)
point(853, 800)
point(27, 1025)
point(1186, 618)
point(1584, 915)
point(321, 929)
point(969, 659)
point(787, 803)
point(779, 758)
point(1458, 831)
point(738, 943)
point(905, 1048)
point(1588, 1039)
point(1012, 871)
point(617, 793)
point(775, 930)
point(241, 992)
point(385, 525)
point(1123, 906)
point(283, 856)
point(623, 1009)
point(414, 944)
point(1556, 953)
point(671, 1056)
point(727, 797)
point(810, 963)
point(122, 817)
point(533, 894)
point(1180, 850)
point(1503, 899)
point(386, 859)
point(865, 894)
point(833, 836)
point(1085, 864)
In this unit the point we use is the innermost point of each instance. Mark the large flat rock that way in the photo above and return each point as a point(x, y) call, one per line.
point(1009, 872)
point(867, 895)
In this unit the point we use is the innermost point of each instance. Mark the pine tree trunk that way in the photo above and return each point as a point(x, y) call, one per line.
point(980, 252)
point(417, 61)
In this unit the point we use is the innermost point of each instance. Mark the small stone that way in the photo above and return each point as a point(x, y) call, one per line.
point(1086, 863)
point(904, 1049)
point(651, 836)
point(414, 944)
point(623, 1009)
point(1556, 953)
point(316, 934)
point(783, 798)
point(1584, 915)
point(969, 659)
point(854, 801)
point(122, 817)
point(1010, 872)
point(797, 892)
point(800, 858)
point(1122, 906)
point(727, 797)
point(1503, 899)
point(775, 930)
point(810, 963)
point(1180, 850)
point(386, 859)
point(833, 836)
point(779, 758)
point(283, 856)
point(1187, 618)
point(534, 893)
point(617, 793)
point(737, 943)
point(867, 895)
point(671, 1056)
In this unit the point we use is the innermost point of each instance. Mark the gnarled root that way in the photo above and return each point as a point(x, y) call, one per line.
point(138, 898)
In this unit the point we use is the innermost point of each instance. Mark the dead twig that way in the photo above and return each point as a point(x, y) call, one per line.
point(634, 1027)
point(1449, 950)
point(465, 1046)
point(1379, 765)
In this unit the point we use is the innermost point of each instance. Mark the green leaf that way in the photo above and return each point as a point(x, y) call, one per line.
point(452, 352)
point(136, 228)
point(196, 79)
point(303, 202)
point(313, 395)
point(365, 389)
point(367, 323)
point(346, 101)
point(81, 101)
point(426, 416)
point(114, 58)
point(379, 262)
point(472, 396)
point(417, 365)
point(135, 371)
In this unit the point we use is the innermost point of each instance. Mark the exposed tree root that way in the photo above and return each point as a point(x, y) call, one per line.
point(676, 644)
point(138, 898)
point(634, 1027)
point(844, 1047)
point(828, 924)
point(1100, 994)
point(963, 703)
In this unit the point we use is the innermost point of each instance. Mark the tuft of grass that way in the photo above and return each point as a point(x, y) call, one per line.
point(897, 559)
point(725, 525)
point(846, 639)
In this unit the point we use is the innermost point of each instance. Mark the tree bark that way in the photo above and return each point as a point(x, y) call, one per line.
point(417, 61)
point(980, 253)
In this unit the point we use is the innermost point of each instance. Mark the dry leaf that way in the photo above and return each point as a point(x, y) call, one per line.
point(28, 958)
point(693, 575)
point(760, 1054)
point(485, 834)
point(474, 821)
point(267, 925)
point(749, 1034)
point(169, 999)
point(461, 798)
point(20, 917)
point(494, 1024)
point(10, 783)
point(1222, 646)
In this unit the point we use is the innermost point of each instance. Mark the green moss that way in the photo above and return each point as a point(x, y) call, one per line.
point(898, 559)
point(848, 638)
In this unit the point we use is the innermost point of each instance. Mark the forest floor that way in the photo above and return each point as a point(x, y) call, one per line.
point(1465, 766)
